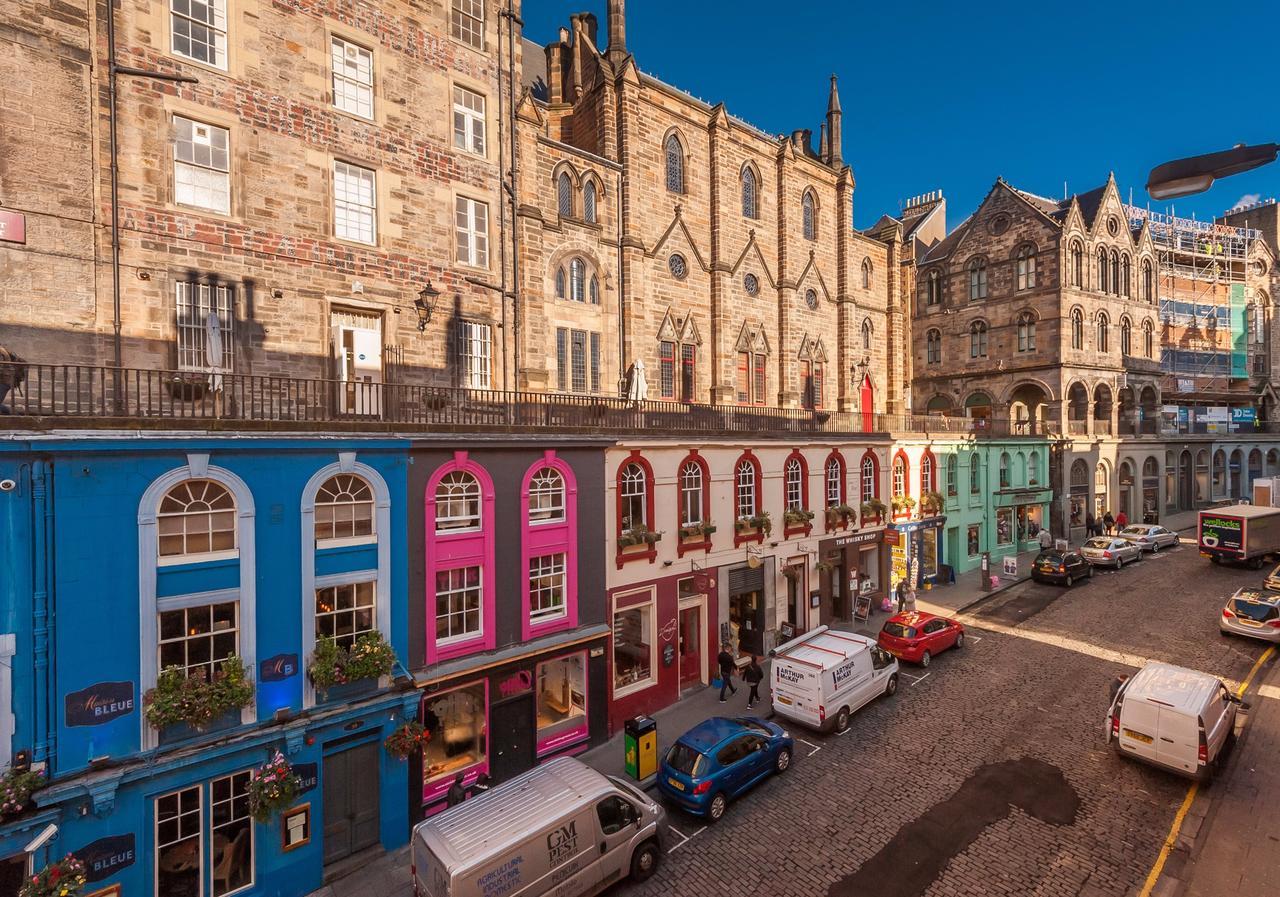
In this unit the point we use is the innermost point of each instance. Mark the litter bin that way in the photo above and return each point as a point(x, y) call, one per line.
point(640, 741)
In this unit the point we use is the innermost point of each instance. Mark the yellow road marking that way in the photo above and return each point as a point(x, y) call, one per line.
point(1181, 815)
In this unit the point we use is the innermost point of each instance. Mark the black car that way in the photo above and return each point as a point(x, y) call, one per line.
point(1062, 567)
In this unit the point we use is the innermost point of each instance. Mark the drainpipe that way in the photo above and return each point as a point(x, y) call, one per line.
point(502, 215)
point(41, 615)
point(510, 187)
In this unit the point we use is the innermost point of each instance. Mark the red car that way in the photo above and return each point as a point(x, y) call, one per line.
point(917, 637)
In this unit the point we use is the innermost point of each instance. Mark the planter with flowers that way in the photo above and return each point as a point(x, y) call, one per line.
point(931, 503)
point(796, 520)
point(903, 506)
point(694, 536)
point(183, 706)
point(839, 517)
point(638, 535)
point(873, 511)
point(16, 788)
point(342, 673)
point(62, 878)
point(272, 788)
point(407, 740)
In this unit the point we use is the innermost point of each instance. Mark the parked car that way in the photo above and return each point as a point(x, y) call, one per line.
point(559, 828)
point(1110, 551)
point(1252, 612)
point(1175, 718)
point(1149, 536)
point(824, 676)
point(918, 637)
point(721, 759)
point(1060, 567)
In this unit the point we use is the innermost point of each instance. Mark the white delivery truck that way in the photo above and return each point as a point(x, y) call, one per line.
point(821, 678)
point(560, 830)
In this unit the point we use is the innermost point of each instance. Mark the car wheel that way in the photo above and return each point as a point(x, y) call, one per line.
point(925, 659)
point(715, 809)
point(783, 763)
point(1155, 546)
point(1119, 563)
point(891, 687)
point(1070, 580)
point(1089, 574)
point(959, 639)
point(842, 719)
point(644, 862)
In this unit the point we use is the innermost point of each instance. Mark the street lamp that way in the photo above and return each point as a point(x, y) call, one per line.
point(425, 304)
point(1185, 177)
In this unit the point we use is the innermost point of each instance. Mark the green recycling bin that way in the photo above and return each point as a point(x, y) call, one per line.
point(640, 743)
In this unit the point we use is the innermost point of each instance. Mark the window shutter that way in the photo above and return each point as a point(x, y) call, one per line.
point(562, 366)
point(595, 362)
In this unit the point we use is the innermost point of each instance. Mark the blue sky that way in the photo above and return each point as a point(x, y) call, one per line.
point(948, 95)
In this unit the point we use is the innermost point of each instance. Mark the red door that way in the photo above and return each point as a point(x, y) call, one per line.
point(868, 405)
point(690, 647)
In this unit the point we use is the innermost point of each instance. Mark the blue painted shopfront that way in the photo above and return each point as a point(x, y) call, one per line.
point(105, 578)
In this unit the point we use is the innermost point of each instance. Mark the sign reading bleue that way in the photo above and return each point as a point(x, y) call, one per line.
point(99, 703)
point(309, 773)
point(107, 856)
point(278, 668)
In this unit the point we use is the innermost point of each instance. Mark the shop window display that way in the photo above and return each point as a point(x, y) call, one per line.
point(562, 698)
point(1030, 521)
point(1004, 526)
point(975, 540)
point(632, 646)
point(746, 624)
point(929, 552)
point(869, 570)
point(456, 723)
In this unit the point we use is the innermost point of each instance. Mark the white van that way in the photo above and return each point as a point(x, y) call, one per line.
point(1173, 717)
point(821, 678)
point(561, 829)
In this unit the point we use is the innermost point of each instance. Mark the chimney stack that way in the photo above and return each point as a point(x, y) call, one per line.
point(835, 132)
point(617, 31)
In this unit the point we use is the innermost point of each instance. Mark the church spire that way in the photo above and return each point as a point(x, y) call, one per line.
point(617, 31)
point(835, 133)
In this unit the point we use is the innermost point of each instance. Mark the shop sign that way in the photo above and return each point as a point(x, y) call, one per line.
point(99, 703)
point(668, 654)
point(107, 856)
point(308, 774)
point(854, 539)
point(1011, 566)
point(891, 537)
point(278, 668)
point(517, 683)
point(704, 581)
point(13, 226)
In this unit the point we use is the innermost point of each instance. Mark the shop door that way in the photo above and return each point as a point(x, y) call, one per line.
point(868, 400)
point(358, 354)
point(840, 598)
point(351, 801)
point(690, 646)
point(513, 739)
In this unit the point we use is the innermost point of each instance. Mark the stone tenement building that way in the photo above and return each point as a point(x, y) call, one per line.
point(1058, 318)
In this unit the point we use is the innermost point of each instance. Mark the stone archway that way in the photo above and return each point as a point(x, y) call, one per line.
point(1029, 409)
point(1077, 409)
point(1128, 412)
point(1102, 407)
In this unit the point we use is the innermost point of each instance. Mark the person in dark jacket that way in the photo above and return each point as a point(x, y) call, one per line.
point(13, 371)
point(482, 784)
point(900, 594)
point(1109, 522)
point(727, 668)
point(753, 675)
point(457, 792)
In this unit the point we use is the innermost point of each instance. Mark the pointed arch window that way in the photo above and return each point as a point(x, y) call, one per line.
point(810, 215)
point(1077, 329)
point(564, 195)
point(978, 339)
point(1104, 331)
point(1115, 272)
point(933, 347)
point(562, 283)
point(977, 279)
point(1026, 268)
point(593, 291)
point(750, 198)
point(933, 295)
point(1126, 337)
point(1148, 339)
point(866, 334)
point(577, 279)
point(1102, 271)
point(1148, 281)
point(675, 164)
point(1125, 276)
point(866, 274)
point(1077, 264)
point(1027, 332)
point(928, 473)
point(898, 476)
point(589, 202)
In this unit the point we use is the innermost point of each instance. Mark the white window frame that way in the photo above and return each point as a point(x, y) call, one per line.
point(642, 606)
point(200, 828)
point(691, 493)
point(465, 493)
point(201, 173)
point(189, 602)
point(217, 28)
point(171, 560)
point(466, 636)
point(555, 573)
point(334, 613)
point(539, 486)
point(471, 230)
point(470, 128)
point(475, 355)
point(193, 303)
point(213, 829)
point(835, 479)
point(635, 487)
point(464, 23)
point(370, 503)
point(793, 475)
point(352, 81)
point(745, 490)
point(349, 207)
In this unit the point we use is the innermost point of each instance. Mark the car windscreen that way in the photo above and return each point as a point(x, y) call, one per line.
point(752, 725)
point(1134, 531)
point(1098, 543)
point(1051, 557)
point(685, 759)
point(1256, 611)
point(898, 630)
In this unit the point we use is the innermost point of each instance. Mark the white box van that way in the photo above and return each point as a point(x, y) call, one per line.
point(821, 678)
point(561, 829)
point(1173, 717)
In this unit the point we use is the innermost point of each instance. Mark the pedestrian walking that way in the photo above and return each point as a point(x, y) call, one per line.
point(1109, 522)
point(457, 792)
point(727, 668)
point(753, 675)
point(1122, 520)
point(13, 372)
point(1090, 523)
point(1046, 539)
point(909, 602)
point(900, 594)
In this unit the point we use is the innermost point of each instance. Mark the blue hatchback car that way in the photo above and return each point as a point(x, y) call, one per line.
point(720, 759)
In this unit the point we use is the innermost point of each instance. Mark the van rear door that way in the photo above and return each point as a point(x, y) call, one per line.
point(1139, 727)
point(1179, 743)
point(431, 877)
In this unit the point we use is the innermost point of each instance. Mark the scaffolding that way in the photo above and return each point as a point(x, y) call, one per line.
point(1202, 268)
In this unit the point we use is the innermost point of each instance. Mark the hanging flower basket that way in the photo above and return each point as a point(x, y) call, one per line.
point(16, 789)
point(797, 517)
point(272, 788)
point(407, 740)
point(369, 658)
point(63, 878)
point(179, 698)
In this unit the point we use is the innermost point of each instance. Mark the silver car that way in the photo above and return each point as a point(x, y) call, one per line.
point(1110, 551)
point(1253, 613)
point(1149, 536)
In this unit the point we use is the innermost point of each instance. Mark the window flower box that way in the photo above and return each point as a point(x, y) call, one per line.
point(16, 788)
point(873, 511)
point(931, 503)
point(190, 701)
point(903, 505)
point(359, 667)
point(638, 536)
point(180, 732)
